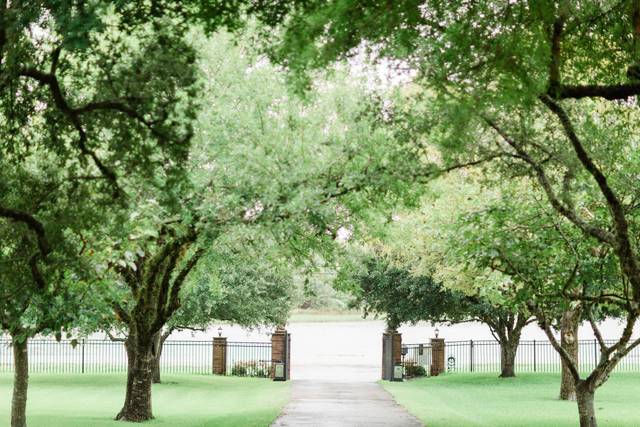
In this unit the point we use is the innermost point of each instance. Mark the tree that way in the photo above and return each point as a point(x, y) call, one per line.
point(557, 270)
point(264, 163)
point(430, 241)
point(534, 84)
point(380, 287)
point(88, 106)
point(246, 289)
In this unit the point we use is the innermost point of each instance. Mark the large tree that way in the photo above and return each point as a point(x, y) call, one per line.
point(546, 86)
point(425, 246)
point(559, 271)
point(88, 106)
point(393, 291)
point(266, 166)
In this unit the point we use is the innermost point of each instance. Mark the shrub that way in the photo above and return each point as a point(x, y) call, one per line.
point(412, 370)
point(251, 369)
point(239, 370)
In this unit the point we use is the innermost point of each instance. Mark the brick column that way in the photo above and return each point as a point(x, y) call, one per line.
point(281, 351)
point(219, 355)
point(391, 353)
point(397, 348)
point(437, 356)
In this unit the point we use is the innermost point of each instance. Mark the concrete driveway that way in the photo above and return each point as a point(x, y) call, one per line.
point(343, 404)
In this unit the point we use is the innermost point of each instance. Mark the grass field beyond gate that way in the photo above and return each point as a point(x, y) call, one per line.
point(181, 401)
point(528, 400)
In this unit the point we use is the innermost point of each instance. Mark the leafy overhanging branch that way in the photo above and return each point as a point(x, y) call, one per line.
point(51, 80)
point(32, 223)
point(622, 241)
point(75, 114)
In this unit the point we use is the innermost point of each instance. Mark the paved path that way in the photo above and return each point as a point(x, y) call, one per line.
point(336, 404)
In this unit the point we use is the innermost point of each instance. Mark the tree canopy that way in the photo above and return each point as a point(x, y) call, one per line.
point(547, 89)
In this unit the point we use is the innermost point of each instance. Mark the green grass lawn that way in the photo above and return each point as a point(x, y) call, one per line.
point(324, 316)
point(529, 400)
point(181, 401)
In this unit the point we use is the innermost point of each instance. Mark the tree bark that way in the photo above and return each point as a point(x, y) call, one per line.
point(137, 403)
point(20, 383)
point(157, 352)
point(569, 341)
point(507, 330)
point(586, 407)
point(158, 345)
point(508, 358)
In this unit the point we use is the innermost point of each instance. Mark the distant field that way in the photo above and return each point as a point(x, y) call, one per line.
point(182, 401)
point(301, 316)
point(464, 400)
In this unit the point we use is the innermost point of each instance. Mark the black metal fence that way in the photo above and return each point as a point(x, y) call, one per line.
point(249, 359)
point(105, 356)
point(531, 356)
point(416, 360)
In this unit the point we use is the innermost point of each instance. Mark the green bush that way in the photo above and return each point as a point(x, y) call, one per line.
point(251, 369)
point(239, 370)
point(412, 370)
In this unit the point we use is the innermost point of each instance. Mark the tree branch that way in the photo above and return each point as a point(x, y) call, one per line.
point(608, 92)
point(566, 357)
point(74, 116)
point(33, 224)
point(121, 312)
point(596, 331)
point(174, 299)
point(622, 242)
point(556, 40)
point(163, 294)
point(114, 338)
point(600, 234)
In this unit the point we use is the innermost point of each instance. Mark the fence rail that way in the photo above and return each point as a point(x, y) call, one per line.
point(531, 356)
point(103, 356)
point(249, 359)
point(254, 358)
point(416, 360)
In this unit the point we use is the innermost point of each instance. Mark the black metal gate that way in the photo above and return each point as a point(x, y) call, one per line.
point(416, 360)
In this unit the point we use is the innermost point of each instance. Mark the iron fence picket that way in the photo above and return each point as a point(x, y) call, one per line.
point(251, 359)
point(254, 358)
point(106, 356)
point(531, 356)
point(416, 359)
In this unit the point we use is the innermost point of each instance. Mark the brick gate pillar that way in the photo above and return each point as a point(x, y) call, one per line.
point(219, 355)
point(437, 356)
point(281, 351)
point(391, 352)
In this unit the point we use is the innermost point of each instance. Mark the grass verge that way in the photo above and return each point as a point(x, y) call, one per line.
point(181, 401)
point(528, 400)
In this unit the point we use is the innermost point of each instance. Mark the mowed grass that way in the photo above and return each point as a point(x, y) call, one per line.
point(325, 316)
point(462, 400)
point(181, 401)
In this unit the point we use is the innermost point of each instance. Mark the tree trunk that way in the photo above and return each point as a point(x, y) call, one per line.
point(155, 378)
point(569, 341)
point(506, 328)
point(137, 403)
point(586, 408)
point(508, 358)
point(20, 383)
point(158, 343)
